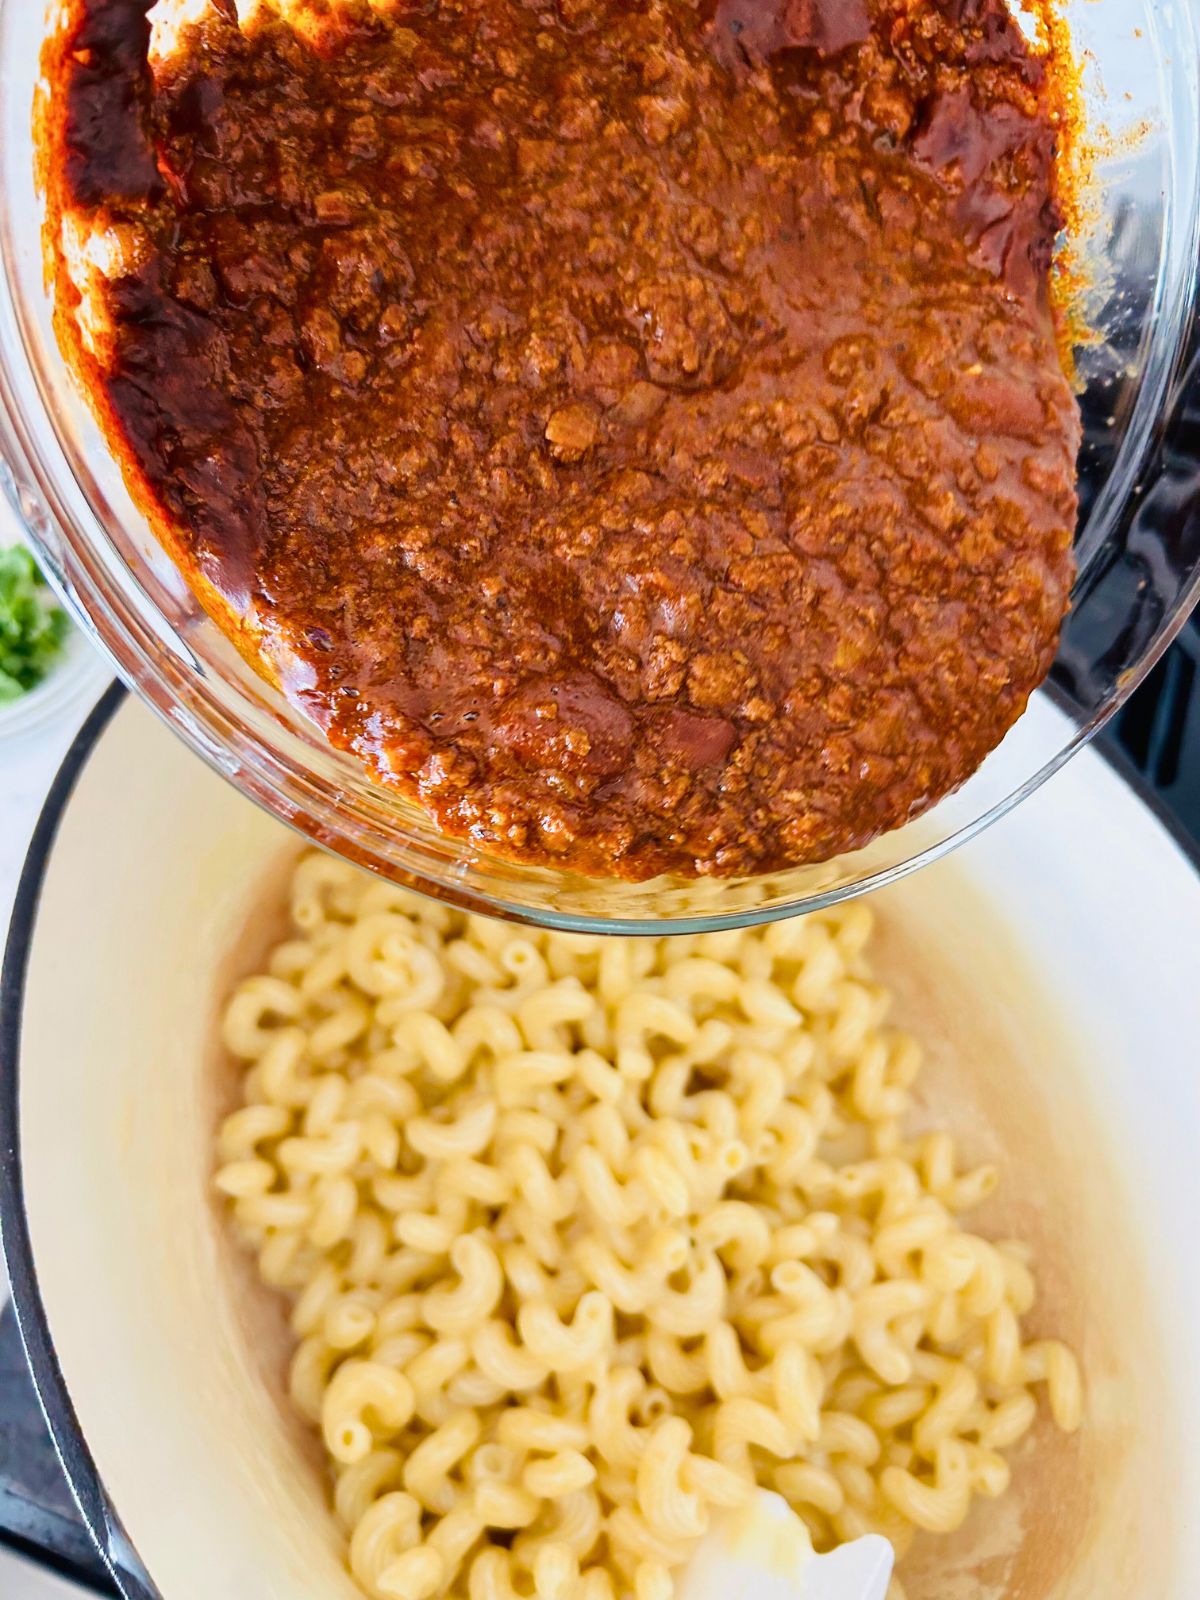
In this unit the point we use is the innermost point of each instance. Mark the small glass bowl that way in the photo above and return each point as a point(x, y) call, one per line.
point(79, 674)
point(1138, 545)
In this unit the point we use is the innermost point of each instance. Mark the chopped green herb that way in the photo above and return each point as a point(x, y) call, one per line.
point(32, 627)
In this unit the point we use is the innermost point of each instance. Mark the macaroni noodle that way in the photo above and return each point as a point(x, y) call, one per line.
point(585, 1239)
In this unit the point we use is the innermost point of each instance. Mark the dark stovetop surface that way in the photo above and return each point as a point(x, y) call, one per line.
point(1158, 733)
point(1156, 737)
point(37, 1513)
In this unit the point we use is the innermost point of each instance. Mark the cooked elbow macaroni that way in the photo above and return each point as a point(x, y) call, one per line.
point(587, 1238)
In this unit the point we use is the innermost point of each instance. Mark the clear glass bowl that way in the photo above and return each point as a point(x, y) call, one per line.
point(1138, 541)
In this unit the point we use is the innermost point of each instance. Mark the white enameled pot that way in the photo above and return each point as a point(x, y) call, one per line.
point(1053, 970)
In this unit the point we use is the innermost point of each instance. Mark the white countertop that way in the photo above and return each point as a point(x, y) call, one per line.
point(28, 762)
point(29, 759)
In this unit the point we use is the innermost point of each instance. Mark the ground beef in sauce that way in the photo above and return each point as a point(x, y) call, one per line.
point(635, 430)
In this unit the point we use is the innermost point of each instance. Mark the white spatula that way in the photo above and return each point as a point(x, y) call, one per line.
point(765, 1553)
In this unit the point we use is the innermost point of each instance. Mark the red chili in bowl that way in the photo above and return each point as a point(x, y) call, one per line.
point(636, 430)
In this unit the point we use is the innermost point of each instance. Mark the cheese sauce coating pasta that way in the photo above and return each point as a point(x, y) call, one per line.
point(586, 1238)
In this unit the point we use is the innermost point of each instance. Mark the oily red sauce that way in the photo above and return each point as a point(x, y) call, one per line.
point(634, 429)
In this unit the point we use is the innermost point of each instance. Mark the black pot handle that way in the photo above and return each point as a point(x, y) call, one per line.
point(38, 1514)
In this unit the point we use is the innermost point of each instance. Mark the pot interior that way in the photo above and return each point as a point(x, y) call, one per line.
point(1046, 971)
